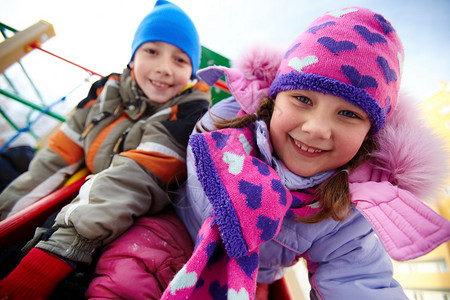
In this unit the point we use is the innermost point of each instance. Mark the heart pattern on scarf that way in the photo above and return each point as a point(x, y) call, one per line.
point(235, 162)
point(278, 187)
point(183, 280)
point(220, 138)
point(245, 144)
point(252, 192)
point(218, 291)
point(268, 226)
point(248, 264)
point(242, 295)
point(263, 168)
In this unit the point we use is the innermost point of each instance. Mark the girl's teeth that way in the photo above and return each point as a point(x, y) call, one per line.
point(306, 149)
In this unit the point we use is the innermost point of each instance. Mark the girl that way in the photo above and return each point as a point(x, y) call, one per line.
point(313, 173)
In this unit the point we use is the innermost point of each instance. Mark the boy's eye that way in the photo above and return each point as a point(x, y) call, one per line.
point(181, 60)
point(303, 99)
point(150, 51)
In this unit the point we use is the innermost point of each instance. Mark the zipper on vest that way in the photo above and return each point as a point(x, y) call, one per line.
point(118, 147)
point(96, 119)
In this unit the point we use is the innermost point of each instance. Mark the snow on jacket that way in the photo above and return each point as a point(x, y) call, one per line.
point(347, 259)
point(135, 150)
point(141, 262)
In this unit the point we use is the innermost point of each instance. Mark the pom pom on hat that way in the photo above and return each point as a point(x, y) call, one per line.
point(169, 23)
point(353, 53)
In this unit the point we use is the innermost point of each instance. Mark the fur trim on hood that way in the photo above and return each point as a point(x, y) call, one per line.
point(414, 157)
point(412, 153)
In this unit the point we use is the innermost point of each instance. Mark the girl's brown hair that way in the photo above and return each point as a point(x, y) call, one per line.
point(333, 194)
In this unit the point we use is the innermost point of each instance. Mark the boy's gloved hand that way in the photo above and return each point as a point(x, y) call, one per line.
point(35, 277)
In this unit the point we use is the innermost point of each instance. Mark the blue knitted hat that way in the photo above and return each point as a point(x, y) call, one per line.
point(170, 24)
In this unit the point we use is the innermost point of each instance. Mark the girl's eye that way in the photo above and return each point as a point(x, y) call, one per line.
point(350, 114)
point(303, 99)
point(151, 51)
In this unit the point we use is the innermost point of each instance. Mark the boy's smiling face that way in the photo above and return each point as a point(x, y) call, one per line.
point(161, 70)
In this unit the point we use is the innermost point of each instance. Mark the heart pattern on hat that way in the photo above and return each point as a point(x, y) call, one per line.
point(334, 46)
point(389, 73)
point(387, 27)
point(298, 64)
point(314, 29)
point(353, 53)
point(342, 12)
point(358, 80)
point(370, 37)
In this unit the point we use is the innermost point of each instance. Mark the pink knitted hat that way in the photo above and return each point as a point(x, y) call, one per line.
point(352, 53)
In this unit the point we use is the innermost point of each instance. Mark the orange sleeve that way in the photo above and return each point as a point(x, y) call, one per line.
point(167, 168)
point(65, 147)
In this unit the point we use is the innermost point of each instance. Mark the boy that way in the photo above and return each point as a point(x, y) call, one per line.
point(131, 132)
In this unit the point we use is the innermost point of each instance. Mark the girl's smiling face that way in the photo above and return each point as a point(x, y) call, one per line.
point(313, 132)
point(161, 70)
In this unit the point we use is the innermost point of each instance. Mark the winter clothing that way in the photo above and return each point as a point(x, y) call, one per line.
point(227, 168)
point(135, 150)
point(36, 276)
point(327, 246)
point(13, 162)
point(160, 243)
point(169, 23)
point(346, 259)
point(351, 53)
point(134, 147)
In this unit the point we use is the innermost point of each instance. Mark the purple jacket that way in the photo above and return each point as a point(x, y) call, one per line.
point(347, 260)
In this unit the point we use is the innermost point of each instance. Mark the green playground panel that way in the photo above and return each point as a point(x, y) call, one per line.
point(211, 58)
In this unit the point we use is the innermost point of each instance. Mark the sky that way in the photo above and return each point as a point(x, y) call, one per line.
point(97, 34)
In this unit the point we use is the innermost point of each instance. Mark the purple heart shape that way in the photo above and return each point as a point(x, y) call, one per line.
point(297, 202)
point(200, 283)
point(357, 80)
point(248, 264)
point(388, 107)
point(252, 192)
point(200, 238)
point(278, 187)
point(268, 226)
point(290, 50)
point(370, 37)
point(389, 74)
point(214, 254)
point(314, 29)
point(387, 27)
point(217, 291)
point(220, 138)
point(336, 47)
point(263, 169)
